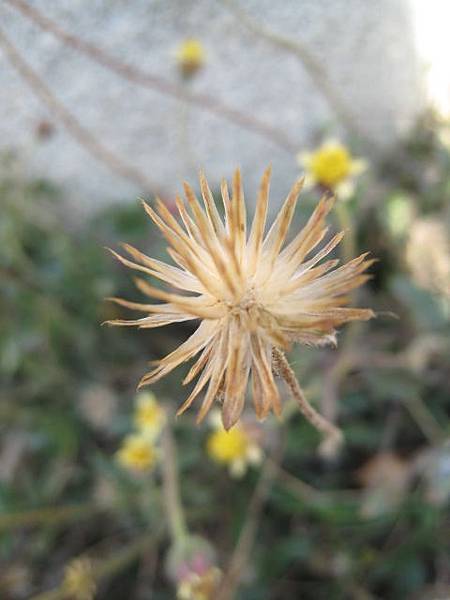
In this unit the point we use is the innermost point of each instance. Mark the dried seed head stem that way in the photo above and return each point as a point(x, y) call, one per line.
point(332, 435)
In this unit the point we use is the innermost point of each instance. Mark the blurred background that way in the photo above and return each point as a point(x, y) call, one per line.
point(103, 103)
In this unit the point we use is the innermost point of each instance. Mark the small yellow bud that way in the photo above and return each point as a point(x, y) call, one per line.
point(191, 56)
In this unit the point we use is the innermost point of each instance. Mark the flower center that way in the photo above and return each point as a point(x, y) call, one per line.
point(227, 446)
point(331, 165)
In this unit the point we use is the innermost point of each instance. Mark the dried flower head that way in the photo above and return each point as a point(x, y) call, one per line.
point(252, 293)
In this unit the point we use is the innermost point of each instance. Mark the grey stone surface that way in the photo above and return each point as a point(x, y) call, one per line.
point(367, 49)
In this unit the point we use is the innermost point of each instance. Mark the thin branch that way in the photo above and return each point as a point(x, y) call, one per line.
point(84, 137)
point(425, 420)
point(54, 515)
point(333, 435)
point(313, 67)
point(155, 82)
point(239, 559)
point(171, 490)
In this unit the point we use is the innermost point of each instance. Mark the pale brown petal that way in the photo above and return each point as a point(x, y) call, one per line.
point(200, 363)
point(261, 363)
point(165, 272)
point(202, 381)
point(198, 306)
point(260, 400)
point(238, 225)
point(309, 236)
point(277, 233)
point(226, 204)
point(190, 226)
point(259, 222)
point(152, 321)
point(238, 369)
point(298, 277)
point(219, 362)
point(192, 346)
point(211, 208)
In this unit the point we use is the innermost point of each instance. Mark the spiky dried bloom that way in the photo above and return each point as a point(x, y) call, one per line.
point(251, 293)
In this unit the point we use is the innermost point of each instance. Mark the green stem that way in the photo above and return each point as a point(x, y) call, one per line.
point(171, 490)
point(349, 251)
point(46, 516)
point(345, 223)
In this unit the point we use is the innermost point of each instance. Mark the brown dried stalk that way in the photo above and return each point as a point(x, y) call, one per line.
point(333, 435)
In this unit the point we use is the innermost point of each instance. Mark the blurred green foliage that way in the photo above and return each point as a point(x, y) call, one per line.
point(371, 523)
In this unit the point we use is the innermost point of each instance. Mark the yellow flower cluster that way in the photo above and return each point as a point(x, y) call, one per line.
point(234, 448)
point(139, 452)
point(79, 579)
point(332, 166)
point(191, 56)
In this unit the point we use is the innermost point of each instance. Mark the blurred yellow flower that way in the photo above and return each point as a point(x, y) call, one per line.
point(191, 56)
point(199, 586)
point(137, 453)
point(331, 166)
point(79, 579)
point(234, 448)
point(149, 416)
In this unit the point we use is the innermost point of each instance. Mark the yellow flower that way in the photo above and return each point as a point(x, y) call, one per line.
point(252, 294)
point(331, 166)
point(199, 586)
point(137, 453)
point(191, 56)
point(149, 417)
point(234, 448)
point(79, 580)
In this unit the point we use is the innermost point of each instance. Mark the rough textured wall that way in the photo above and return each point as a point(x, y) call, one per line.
point(365, 48)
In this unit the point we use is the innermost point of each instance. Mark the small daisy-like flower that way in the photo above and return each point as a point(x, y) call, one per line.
point(332, 167)
point(137, 453)
point(149, 416)
point(191, 56)
point(254, 294)
point(236, 448)
point(79, 579)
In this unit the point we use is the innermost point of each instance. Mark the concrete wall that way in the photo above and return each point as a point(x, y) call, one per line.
point(367, 50)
